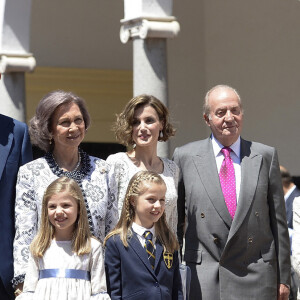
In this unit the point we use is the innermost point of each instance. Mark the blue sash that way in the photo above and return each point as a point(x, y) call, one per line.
point(65, 273)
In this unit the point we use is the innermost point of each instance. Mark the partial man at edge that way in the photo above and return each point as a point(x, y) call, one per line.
point(291, 191)
point(15, 151)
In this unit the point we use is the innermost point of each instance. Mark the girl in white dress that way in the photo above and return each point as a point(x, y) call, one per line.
point(143, 122)
point(66, 261)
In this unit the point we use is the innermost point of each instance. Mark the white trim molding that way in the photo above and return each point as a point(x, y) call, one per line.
point(17, 63)
point(149, 27)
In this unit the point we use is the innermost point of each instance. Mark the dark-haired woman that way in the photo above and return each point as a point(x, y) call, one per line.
point(143, 122)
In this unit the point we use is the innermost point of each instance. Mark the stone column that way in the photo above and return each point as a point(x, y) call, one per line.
point(149, 23)
point(15, 58)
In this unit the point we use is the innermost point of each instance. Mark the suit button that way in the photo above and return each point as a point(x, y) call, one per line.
point(156, 284)
point(250, 240)
point(216, 240)
point(256, 213)
point(202, 215)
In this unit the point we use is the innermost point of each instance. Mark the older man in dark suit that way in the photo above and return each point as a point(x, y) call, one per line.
point(231, 209)
point(15, 150)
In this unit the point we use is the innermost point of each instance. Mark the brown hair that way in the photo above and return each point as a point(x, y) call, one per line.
point(40, 125)
point(137, 187)
point(81, 241)
point(123, 125)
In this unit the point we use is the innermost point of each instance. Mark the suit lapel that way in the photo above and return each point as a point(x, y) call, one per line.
point(205, 163)
point(250, 166)
point(135, 244)
point(5, 145)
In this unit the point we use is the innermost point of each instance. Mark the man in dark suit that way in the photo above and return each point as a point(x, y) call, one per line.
point(15, 150)
point(231, 209)
point(290, 191)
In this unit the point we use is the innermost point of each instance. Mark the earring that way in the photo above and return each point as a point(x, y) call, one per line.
point(161, 135)
point(50, 141)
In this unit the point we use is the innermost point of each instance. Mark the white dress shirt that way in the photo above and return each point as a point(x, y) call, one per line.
point(235, 155)
point(139, 230)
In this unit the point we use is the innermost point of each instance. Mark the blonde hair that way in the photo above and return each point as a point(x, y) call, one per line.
point(136, 187)
point(81, 240)
point(123, 125)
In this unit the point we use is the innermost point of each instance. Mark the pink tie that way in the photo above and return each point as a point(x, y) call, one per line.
point(227, 180)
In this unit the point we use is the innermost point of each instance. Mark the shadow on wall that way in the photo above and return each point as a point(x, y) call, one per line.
point(102, 150)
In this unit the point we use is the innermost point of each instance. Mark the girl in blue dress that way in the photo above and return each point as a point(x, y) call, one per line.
point(141, 256)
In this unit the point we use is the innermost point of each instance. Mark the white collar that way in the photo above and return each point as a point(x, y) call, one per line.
point(141, 230)
point(217, 146)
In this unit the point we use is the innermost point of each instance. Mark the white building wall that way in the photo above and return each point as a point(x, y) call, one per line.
point(252, 45)
point(15, 58)
point(80, 34)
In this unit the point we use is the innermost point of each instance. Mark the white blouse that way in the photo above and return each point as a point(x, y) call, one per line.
point(60, 256)
point(33, 179)
point(121, 171)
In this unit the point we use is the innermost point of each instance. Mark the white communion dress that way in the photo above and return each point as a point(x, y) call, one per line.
point(63, 275)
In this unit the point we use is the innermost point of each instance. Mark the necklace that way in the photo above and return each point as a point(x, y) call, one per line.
point(72, 173)
point(78, 173)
